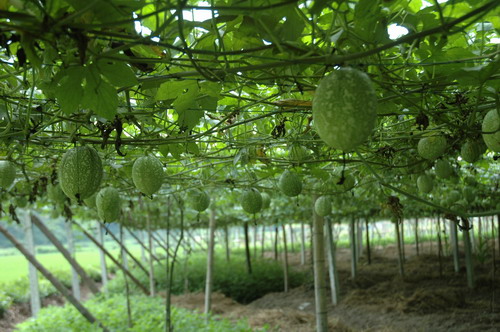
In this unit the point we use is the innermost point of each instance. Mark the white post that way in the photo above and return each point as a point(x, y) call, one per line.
point(75, 280)
point(143, 251)
point(32, 272)
point(210, 263)
point(302, 243)
point(104, 270)
point(123, 252)
point(359, 234)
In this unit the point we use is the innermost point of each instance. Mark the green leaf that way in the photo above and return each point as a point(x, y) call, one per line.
point(366, 15)
point(164, 149)
point(211, 88)
point(186, 106)
point(175, 150)
point(173, 89)
point(191, 147)
point(208, 103)
point(318, 6)
point(293, 27)
point(69, 92)
point(117, 73)
point(100, 96)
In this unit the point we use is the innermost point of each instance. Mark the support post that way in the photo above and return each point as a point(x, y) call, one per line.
point(210, 263)
point(67, 254)
point(104, 268)
point(247, 248)
point(302, 243)
point(332, 263)
point(150, 260)
point(352, 237)
point(75, 281)
point(285, 259)
point(454, 245)
point(32, 274)
point(114, 260)
point(319, 272)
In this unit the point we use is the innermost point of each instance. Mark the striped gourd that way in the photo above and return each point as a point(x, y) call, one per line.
point(147, 174)
point(7, 174)
point(80, 172)
point(108, 204)
point(345, 108)
point(251, 201)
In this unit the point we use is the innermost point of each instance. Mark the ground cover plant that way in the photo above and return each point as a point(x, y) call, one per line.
point(231, 280)
point(147, 315)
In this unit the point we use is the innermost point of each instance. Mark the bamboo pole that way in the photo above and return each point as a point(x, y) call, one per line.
point(417, 246)
point(285, 260)
point(454, 245)
point(469, 264)
point(125, 250)
point(247, 248)
point(352, 237)
point(400, 253)
point(210, 264)
point(332, 263)
point(440, 246)
point(102, 256)
point(319, 272)
point(275, 243)
point(108, 254)
point(123, 253)
point(262, 240)
point(226, 240)
point(35, 301)
point(143, 246)
point(67, 255)
point(302, 243)
point(152, 290)
point(368, 249)
point(75, 281)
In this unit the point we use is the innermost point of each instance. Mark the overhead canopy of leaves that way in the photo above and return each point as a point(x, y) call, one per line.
point(220, 91)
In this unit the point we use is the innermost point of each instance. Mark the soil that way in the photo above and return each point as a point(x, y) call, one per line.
point(377, 299)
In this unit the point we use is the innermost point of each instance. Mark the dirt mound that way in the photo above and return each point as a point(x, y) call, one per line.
point(196, 301)
point(264, 312)
point(286, 320)
point(300, 298)
point(425, 301)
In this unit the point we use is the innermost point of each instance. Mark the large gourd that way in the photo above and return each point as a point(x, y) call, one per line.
point(251, 201)
point(80, 172)
point(425, 183)
point(470, 151)
point(491, 130)
point(345, 108)
point(108, 204)
point(323, 206)
point(290, 183)
point(147, 174)
point(443, 169)
point(7, 174)
point(199, 200)
point(431, 147)
point(266, 200)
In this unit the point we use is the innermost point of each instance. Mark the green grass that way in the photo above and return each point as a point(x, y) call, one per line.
point(16, 266)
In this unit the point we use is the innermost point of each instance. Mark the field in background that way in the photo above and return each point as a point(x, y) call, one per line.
point(14, 265)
